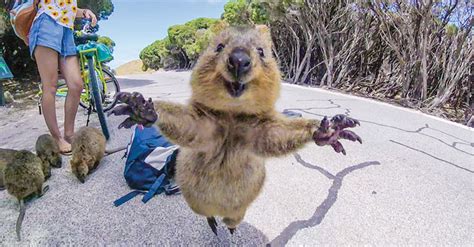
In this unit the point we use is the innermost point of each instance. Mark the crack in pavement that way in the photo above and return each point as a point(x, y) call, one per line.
point(452, 145)
point(432, 156)
point(461, 143)
point(453, 136)
point(308, 100)
point(347, 111)
point(290, 231)
point(418, 131)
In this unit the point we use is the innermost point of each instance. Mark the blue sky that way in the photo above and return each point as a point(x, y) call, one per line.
point(135, 24)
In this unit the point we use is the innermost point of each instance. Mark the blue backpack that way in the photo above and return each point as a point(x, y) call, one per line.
point(150, 165)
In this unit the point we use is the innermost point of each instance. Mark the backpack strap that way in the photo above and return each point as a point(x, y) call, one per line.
point(127, 197)
point(154, 188)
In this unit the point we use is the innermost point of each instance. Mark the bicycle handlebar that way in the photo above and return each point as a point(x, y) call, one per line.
point(88, 32)
point(87, 27)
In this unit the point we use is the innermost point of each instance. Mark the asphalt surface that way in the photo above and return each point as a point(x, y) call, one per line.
point(410, 183)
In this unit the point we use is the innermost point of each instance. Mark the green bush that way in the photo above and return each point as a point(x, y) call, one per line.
point(15, 51)
point(107, 41)
point(245, 12)
point(181, 48)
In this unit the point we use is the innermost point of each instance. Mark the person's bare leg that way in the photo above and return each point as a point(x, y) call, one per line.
point(47, 60)
point(70, 69)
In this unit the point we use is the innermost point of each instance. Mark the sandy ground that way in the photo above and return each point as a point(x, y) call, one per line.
point(410, 183)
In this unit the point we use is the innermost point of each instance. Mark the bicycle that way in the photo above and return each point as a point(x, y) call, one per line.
point(100, 85)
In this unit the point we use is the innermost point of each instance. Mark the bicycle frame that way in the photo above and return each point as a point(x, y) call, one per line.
point(83, 57)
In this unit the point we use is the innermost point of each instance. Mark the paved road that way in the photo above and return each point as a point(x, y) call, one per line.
point(411, 182)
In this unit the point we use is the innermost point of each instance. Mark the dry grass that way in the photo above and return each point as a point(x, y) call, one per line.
point(132, 67)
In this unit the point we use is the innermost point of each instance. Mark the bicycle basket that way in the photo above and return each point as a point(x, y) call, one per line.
point(104, 53)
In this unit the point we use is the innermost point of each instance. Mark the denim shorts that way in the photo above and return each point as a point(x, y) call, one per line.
point(46, 32)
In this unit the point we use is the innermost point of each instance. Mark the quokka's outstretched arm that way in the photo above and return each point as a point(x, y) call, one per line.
point(178, 124)
point(175, 121)
point(281, 136)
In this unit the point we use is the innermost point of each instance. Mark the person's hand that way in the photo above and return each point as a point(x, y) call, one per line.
point(88, 14)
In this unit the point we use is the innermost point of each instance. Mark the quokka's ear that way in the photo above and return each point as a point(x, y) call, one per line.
point(264, 30)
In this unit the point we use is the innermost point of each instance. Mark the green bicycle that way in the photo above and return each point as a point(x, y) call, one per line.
point(100, 85)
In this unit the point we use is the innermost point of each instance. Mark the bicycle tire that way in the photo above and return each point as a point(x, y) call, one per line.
point(115, 84)
point(97, 98)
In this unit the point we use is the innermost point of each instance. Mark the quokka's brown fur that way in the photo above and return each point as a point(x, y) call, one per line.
point(88, 149)
point(225, 140)
point(24, 175)
point(10, 156)
point(48, 150)
point(6, 156)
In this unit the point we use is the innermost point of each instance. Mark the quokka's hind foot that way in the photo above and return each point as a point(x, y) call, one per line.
point(43, 190)
point(213, 224)
point(232, 223)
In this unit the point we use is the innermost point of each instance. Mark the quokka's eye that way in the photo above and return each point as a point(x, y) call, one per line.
point(261, 52)
point(220, 47)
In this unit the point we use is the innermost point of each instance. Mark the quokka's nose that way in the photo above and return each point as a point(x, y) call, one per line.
point(239, 63)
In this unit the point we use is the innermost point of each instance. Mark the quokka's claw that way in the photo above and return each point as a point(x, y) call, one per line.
point(139, 110)
point(213, 224)
point(123, 97)
point(342, 121)
point(338, 147)
point(329, 132)
point(349, 135)
point(121, 110)
point(324, 126)
point(128, 123)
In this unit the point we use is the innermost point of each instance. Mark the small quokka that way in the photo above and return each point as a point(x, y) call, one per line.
point(24, 175)
point(48, 150)
point(6, 155)
point(88, 149)
point(230, 126)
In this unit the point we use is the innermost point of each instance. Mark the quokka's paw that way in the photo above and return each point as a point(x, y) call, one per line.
point(139, 110)
point(330, 131)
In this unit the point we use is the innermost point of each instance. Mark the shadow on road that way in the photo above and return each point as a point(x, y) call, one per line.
point(246, 235)
point(126, 83)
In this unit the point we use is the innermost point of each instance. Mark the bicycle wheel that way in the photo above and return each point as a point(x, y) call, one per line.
point(108, 97)
point(113, 87)
point(97, 97)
